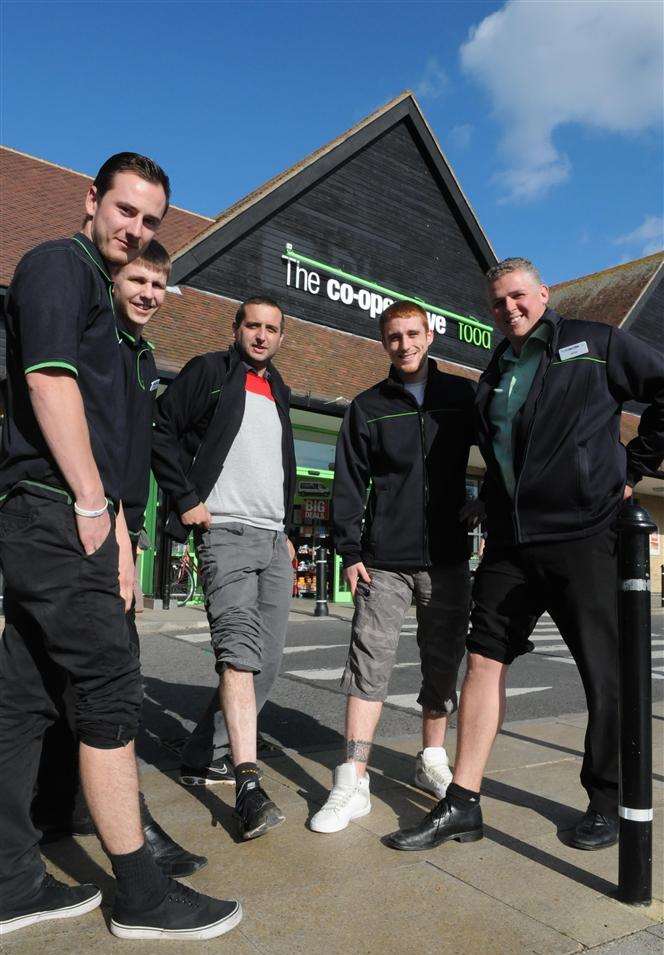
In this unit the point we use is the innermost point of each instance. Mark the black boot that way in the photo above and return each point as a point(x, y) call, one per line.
point(595, 831)
point(444, 822)
point(62, 820)
point(171, 858)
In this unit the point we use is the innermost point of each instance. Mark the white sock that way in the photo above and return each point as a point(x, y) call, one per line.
point(434, 754)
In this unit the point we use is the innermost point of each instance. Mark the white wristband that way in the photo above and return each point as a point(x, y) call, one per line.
point(82, 512)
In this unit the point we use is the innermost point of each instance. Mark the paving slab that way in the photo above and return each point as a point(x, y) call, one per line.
point(640, 943)
point(413, 909)
point(548, 882)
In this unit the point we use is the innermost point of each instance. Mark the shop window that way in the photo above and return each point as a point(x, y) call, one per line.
point(315, 451)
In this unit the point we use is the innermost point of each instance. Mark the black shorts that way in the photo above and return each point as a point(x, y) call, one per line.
point(575, 581)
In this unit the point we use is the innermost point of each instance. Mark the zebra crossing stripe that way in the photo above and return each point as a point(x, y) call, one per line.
point(334, 673)
point(408, 701)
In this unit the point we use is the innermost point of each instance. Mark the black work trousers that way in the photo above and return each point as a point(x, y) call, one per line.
point(576, 583)
point(64, 624)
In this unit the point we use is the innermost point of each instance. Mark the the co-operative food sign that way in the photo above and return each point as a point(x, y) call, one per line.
point(317, 278)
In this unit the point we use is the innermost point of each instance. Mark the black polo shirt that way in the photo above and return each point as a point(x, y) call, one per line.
point(59, 314)
point(141, 383)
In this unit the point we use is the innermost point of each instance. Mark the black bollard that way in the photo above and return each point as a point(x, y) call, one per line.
point(321, 609)
point(166, 573)
point(635, 707)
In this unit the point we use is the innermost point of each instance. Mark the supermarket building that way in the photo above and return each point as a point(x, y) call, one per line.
point(374, 216)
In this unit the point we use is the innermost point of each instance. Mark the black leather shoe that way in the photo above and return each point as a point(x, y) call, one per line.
point(172, 859)
point(443, 823)
point(595, 831)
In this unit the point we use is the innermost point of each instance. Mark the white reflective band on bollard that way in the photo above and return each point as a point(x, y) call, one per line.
point(635, 815)
point(637, 584)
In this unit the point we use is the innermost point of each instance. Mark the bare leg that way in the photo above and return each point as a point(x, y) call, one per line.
point(434, 727)
point(481, 713)
point(361, 721)
point(238, 703)
point(110, 783)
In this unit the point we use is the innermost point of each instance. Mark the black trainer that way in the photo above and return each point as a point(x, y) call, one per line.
point(53, 900)
point(444, 822)
point(219, 771)
point(595, 831)
point(172, 859)
point(182, 914)
point(255, 811)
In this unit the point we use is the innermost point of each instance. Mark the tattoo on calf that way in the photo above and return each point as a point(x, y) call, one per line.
point(357, 750)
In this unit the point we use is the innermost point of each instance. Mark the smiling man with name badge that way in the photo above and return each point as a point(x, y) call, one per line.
point(549, 408)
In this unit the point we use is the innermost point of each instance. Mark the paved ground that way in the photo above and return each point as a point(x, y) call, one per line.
point(520, 890)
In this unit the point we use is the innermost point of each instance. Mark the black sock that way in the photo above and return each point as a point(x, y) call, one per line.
point(245, 773)
point(141, 883)
point(462, 798)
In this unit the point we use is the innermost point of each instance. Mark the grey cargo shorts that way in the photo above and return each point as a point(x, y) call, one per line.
point(442, 597)
point(248, 583)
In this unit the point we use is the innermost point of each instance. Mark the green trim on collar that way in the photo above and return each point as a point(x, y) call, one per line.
point(140, 341)
point(128, 335)
point(92, 259)
point(109, 280)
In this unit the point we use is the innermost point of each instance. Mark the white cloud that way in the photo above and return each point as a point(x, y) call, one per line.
point(459, 136)
point(650, 232)
point(434, 80)
point(546, 64)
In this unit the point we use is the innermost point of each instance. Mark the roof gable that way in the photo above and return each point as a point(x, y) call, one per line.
point(42, 201)
point(613, 296)
point(244, 215)
point(375, 216)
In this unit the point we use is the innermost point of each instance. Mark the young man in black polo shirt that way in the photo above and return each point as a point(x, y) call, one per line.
point(59, 807)
point(68, 566)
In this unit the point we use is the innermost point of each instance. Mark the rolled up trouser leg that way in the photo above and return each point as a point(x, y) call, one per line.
point(380, 608)
point(443, 607)
point(247, 580)
point(71, 622)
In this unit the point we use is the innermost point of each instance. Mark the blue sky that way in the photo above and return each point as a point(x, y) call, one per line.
point(550, 113)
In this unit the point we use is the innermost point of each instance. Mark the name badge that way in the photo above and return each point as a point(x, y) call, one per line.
point(573, 351)
point(154, 385)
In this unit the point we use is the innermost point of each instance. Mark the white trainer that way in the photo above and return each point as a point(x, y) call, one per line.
point(348, 800)
point(432, 771)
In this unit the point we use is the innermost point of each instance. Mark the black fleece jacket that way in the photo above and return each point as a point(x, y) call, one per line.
point(416, 460)
point(196, 421)
point(570, 466)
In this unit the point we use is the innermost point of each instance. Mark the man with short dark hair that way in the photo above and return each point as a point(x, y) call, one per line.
point(68, 566)
point(223, 450)
point(408, 436)
point(139, 289)
point(549, 407)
